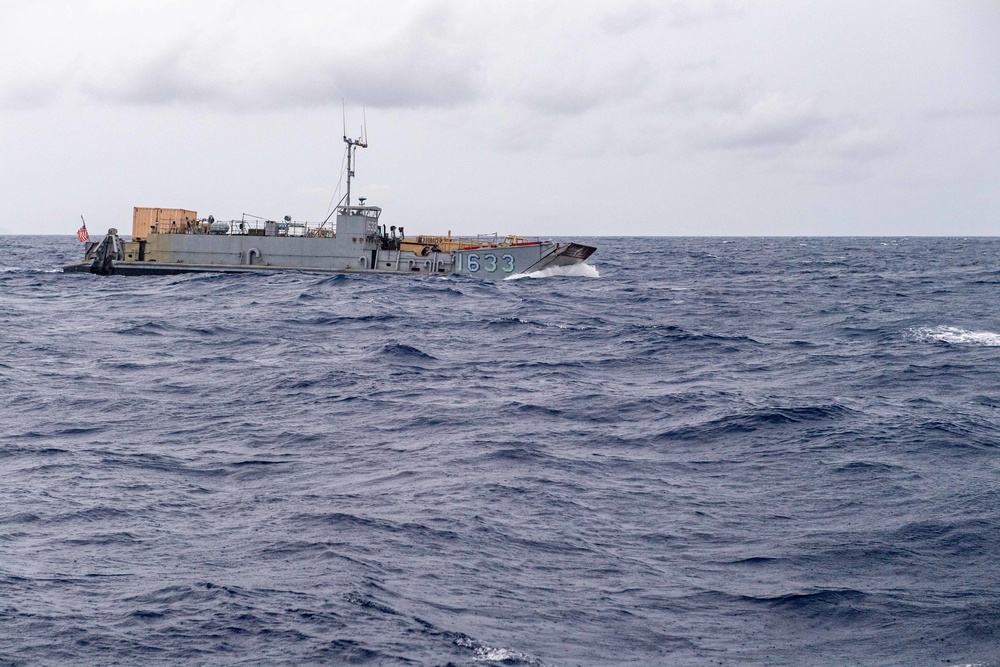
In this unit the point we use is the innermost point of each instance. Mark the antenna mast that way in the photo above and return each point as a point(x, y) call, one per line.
point(352, 146)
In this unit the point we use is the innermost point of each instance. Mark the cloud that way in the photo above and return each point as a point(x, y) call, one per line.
point(583, 77)
point(237, 55)
point(36, 65)
point(773, 121)
point(679, 14)
point(632, 18)
point(417, 64)
point(424, 65)
point(580, 89)
point(862, 143)
point(985, 111)
point(780, 133)
point(25, 95)
point(696, 12)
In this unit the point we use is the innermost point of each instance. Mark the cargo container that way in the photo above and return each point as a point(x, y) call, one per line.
point(161, 220)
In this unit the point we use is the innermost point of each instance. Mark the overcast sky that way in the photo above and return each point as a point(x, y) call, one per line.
point(537, 117)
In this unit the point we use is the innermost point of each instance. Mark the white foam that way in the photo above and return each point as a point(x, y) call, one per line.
point(486, 653)
point(18, 269)
point(491, 654)
point(573, 270)
point(956, 336)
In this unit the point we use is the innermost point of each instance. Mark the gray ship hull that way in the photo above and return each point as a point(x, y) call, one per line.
point(353, 249)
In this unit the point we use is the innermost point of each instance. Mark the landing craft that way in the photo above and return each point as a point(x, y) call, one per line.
point(170, 241)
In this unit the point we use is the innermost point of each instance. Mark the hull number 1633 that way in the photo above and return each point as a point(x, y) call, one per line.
point(489, 262)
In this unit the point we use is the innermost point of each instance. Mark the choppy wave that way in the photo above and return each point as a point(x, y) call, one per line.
point(723, 451)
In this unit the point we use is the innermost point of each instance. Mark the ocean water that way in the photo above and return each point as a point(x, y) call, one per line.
point(695, 451)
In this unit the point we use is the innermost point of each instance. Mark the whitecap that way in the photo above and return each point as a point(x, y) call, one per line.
point(499, 654)
point(18, 269)
point(957, 336)
point(485, 653)
point(573, 270)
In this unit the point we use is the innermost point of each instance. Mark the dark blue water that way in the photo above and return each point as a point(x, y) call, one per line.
point(736, 452)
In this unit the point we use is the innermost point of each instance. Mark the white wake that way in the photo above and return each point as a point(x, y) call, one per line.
point(573, 271)
point(956, 336)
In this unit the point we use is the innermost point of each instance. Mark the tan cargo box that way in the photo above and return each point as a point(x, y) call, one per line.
point(160, 220)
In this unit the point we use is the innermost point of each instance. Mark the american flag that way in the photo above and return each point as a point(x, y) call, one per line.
point(82, 232)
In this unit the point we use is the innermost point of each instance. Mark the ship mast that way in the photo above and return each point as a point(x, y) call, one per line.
point(352, 146)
